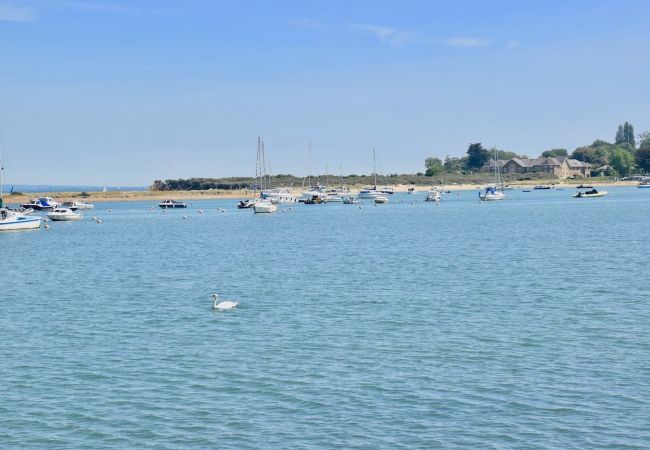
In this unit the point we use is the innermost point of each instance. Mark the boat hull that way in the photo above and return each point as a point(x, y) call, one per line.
point(265, 208)
point(18, 223)
point(600, 194)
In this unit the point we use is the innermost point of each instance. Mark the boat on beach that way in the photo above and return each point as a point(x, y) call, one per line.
point(590, 194)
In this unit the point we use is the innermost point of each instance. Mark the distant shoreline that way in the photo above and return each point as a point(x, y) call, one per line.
point(155, 196)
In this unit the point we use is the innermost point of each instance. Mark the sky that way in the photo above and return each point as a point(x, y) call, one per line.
point(126, 92)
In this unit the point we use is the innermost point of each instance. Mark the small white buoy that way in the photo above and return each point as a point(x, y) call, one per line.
point(200, 211)
point(184, 217)
point(46, 226)
point(110, 210)
point(98, 221)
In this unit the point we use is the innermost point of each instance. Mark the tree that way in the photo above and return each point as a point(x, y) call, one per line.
point(433, 166)
point(628, 133)
point(506, 155)
point(477, 156)
point(620, 136)
point(555, 152)
point(625, 133)
point(642, 155)
point(622, 161)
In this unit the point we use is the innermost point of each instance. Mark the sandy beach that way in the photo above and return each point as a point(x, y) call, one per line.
point(155, 196)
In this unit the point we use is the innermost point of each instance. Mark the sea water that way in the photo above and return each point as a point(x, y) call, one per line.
point(516, 324)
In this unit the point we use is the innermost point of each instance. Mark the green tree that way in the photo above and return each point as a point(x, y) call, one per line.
point(628, 133)
point(453, 165)
point(477, 156)
point(433, 166)
point(620, 135)
point(642, 155)
point(622, 161)
point(555, 152)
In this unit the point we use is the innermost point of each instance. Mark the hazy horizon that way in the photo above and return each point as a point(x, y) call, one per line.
point(123, 93)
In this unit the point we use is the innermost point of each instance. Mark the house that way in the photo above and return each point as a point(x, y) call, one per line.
point(560, 166)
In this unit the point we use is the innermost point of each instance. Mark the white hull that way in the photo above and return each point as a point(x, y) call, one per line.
point(64, 218)
point(492, 197)
point(18, 222)
point(265, 207)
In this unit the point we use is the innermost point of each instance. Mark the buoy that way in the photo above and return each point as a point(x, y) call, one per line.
point(184, 217)
point(46, 226)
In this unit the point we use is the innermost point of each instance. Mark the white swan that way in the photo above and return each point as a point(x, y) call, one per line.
point(226, 304)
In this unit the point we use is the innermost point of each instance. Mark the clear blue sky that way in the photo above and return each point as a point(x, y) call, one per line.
point(124, 92)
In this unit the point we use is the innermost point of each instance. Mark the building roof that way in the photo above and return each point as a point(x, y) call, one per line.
point(575, 164)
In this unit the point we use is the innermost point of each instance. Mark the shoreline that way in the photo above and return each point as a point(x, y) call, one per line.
point(127, 196)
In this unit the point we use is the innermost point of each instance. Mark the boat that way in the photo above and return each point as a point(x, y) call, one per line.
point(432, 196)
point(264, 206)
point(387, 190)
point(381, 199)
point(78, 205)
point(584, 186)
point(492, 193)
point(172, 204)
point(542, 187)
point(41, 204)
point(12, 221)
point(244, 204)
point(351, 201)
point(590, 194)
point(278, 196)
point(644, 185)
point(64, 215)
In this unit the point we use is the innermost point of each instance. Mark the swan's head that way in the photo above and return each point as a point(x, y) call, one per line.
point(215, 297)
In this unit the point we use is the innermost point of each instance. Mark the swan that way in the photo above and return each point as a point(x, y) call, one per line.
point(226, 304)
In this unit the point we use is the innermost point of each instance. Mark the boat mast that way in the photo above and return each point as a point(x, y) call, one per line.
point(309, 166)
point(374, 166)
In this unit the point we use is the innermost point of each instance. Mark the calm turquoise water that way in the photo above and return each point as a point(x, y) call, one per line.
point(520, 324)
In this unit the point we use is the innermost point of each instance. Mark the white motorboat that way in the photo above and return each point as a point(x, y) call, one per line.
point(64, 214)
point(381, 199)
point(12, 221)
point(245, 204)
point(387, 190)
point(78, 205)
point(279, 196)
point(432, 196)
point(644, 185)
point(491, 194)
point(172, 204)
point(351, 201)
point(368, 193)
point(264, 206)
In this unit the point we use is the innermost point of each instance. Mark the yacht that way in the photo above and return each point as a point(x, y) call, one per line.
point(172, 204)
point(78, 205)
point(381, 199)
point(493, 193)
point(64, 214)
point(245, 204)
point(264, 206)
point(369, 193)
point(278, 196)
point(41, 204)
point(432, 196)
point(387, 190)
point(351, 201)
point(644, 185)
point(11, 220)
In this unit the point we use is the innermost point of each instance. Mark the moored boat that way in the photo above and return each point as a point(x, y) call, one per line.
point(432, 196)
point(542, 187)
point(381, 199)
point(12, 221)
point(264, 206)
point(41, 204)
point(78, 205)
point(64, 215)
point(172, 204)
point(589, 194)
point(644, 185)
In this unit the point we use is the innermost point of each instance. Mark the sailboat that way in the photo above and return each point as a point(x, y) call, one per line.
point(14, 220)
point(493, 193)
point(262, 205)
point(370, 192)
